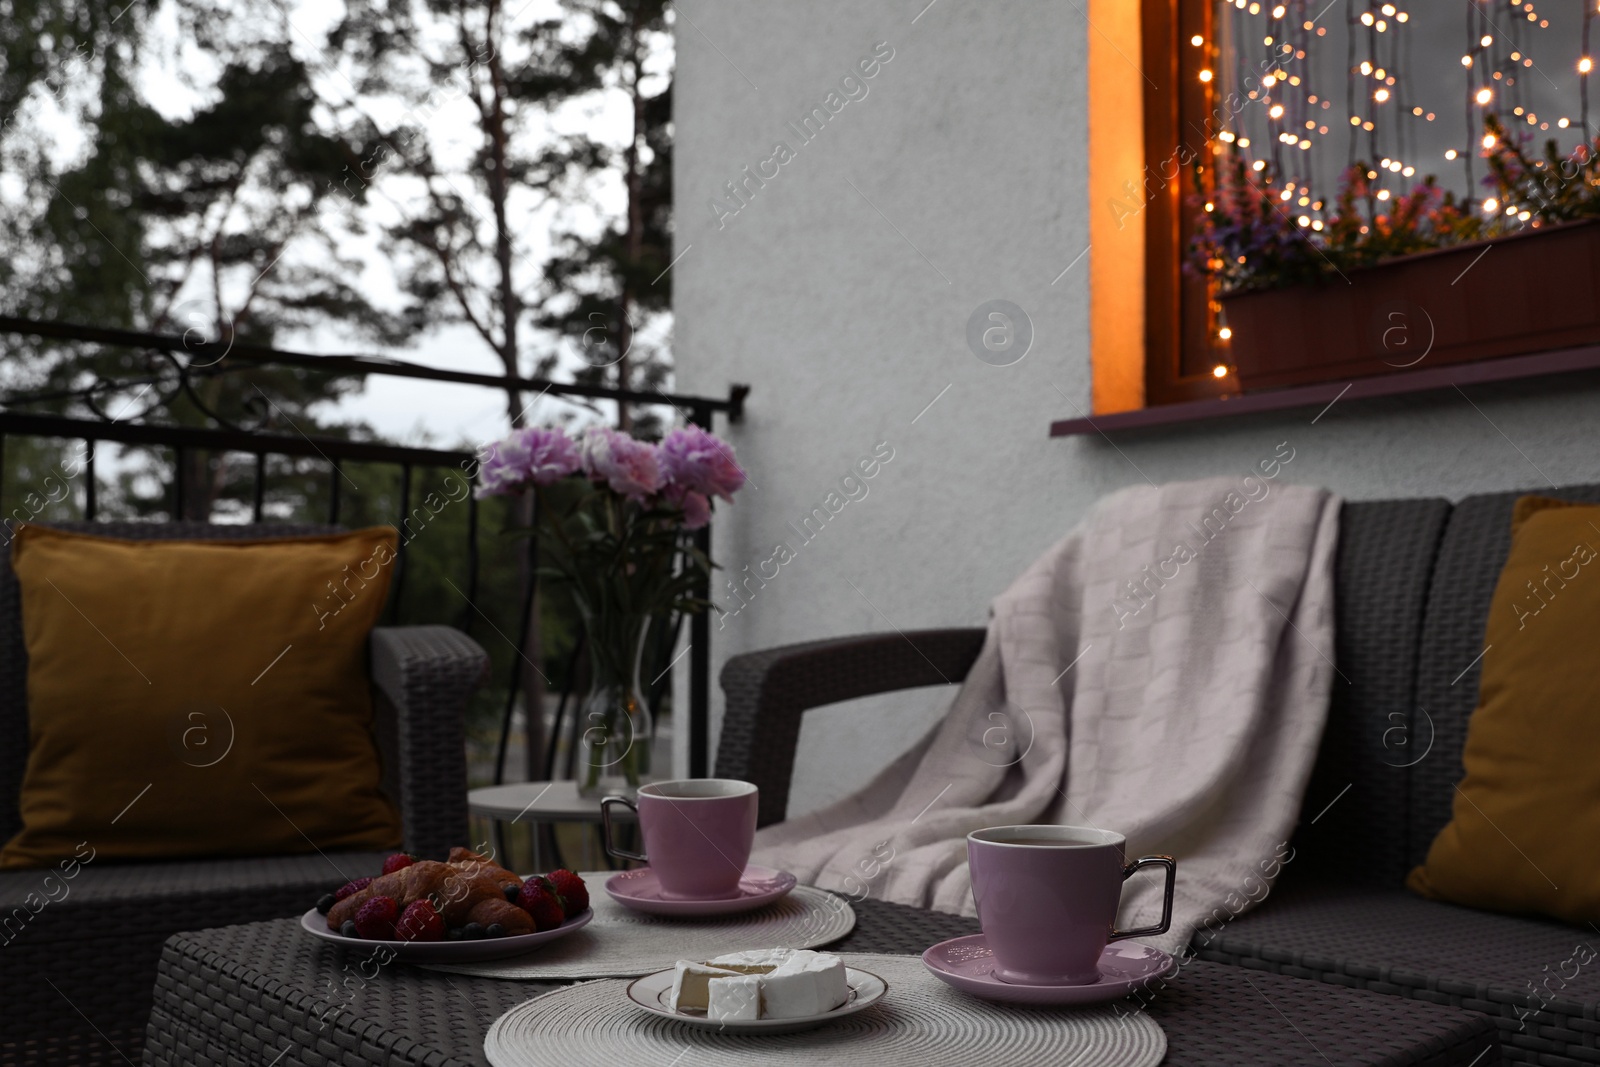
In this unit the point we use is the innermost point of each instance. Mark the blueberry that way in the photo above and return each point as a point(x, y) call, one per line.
point(325, 904)
point(511, 892)
point(349, 928)
point(495, 930)
point(453, 934)
point(472, 931)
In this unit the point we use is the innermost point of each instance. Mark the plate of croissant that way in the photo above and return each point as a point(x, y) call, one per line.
point(458, 910)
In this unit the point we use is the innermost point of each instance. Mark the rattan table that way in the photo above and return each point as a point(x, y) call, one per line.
point(267, 994)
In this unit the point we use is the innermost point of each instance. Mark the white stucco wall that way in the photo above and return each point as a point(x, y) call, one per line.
point(841, 294)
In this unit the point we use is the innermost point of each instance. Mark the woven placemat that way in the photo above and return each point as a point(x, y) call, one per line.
point(920, 1023)
point(619, 943)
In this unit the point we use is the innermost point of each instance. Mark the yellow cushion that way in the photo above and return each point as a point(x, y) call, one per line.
point(200, 698)
point(1527, 814)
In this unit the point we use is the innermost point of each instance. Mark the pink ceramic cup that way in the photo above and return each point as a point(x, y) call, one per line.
point(1047, 897)
point(697, 834)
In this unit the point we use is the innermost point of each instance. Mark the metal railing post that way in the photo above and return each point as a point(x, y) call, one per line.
point(700, 649)
point(90, 500)
point(179, 457)
point(400, 547)
point(335, 476)
point(261, 485)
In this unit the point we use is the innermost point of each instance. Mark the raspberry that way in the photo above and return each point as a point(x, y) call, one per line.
point(375, 920)
point(570, 888)
point(398, 861)
point(420, 923)
point(351, 887)
point(538, 901)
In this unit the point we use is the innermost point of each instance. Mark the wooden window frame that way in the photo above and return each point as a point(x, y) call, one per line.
point(1180, 341)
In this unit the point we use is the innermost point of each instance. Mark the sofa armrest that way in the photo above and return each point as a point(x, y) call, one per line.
point(425, 676)
point(767, 693)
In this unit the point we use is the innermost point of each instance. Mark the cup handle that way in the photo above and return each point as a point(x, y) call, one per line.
point(1166, 907)
point(622, 854)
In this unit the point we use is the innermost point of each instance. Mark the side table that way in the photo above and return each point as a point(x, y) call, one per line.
point(535, 804)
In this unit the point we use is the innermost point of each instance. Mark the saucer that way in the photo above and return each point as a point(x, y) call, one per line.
point(967, 963)
point(653, 991)
point(641, 891)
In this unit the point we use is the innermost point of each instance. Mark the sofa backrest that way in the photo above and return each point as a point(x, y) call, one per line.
point(1353, 822)
point(1476, 541)
point(14, 654)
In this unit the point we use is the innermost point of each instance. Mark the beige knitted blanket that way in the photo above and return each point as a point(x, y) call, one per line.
point(1163, 671)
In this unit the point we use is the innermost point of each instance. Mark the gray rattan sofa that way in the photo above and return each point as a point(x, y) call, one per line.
point(76, 978)
point(1414, 580)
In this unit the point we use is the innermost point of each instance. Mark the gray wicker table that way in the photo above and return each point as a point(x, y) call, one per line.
point(267, 994)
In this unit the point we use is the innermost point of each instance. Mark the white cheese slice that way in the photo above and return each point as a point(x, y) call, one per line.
point(736, 998)
point(789, 983)
point(690, 985)
point(807, 983)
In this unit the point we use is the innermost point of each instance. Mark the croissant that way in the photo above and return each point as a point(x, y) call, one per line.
point(481, 866)
point(455, 888)
point(424, 878)
point(464, 889)
point(465, 858)
point(428, 879)
point(500, 910)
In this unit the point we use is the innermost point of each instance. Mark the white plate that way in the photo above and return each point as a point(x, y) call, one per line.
point(652, 991)
point(315, 923)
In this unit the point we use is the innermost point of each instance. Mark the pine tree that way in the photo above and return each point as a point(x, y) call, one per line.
point(461, 245)
point(221, 225)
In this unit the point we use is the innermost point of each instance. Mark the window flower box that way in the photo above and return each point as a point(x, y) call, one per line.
point(1527, 292)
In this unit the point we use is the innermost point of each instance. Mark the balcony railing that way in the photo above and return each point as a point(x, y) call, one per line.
point(188, 361)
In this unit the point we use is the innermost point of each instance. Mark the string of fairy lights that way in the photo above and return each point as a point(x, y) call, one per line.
point(1386, 112)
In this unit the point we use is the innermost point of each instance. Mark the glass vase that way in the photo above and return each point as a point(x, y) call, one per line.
point(614, 724)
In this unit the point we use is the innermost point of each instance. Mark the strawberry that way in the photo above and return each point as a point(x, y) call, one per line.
point(570, 888)
point(398, 861)
point(539, 901)
point(420, 923)
point(350, 888)
point(375, 920)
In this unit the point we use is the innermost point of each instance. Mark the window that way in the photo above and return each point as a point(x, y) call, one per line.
point(1303, 95)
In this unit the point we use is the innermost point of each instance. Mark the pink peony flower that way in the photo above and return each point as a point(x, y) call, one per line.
point(696, 508)
point(630, 467)
point(701, 462)
point(533, 455)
